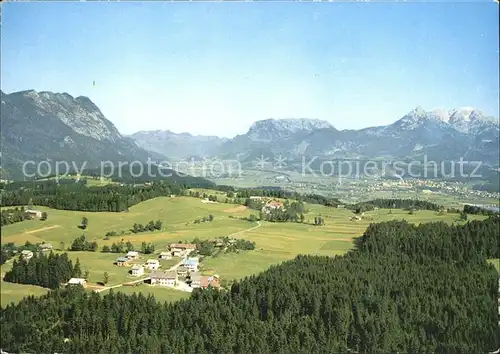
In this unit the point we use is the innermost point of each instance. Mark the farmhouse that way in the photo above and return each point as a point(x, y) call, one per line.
point(132, 255)
point(202, 281)
point(44, 247)
point(272, 205)
point(26, 254)
point(78, 281)
point(191, 264)
point(122, 261)
point(182, 271)
point(32, 214)
point(166, 255)
point(164, 278)
point(152, 264)
point(181, 249)
point(137, 270)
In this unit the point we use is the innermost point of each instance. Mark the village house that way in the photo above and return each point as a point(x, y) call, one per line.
point(181, 249)
point(203, 281)
point(137, 270)
point(166, 255)
point(191, 264)
point(152, 264)
point(164, 278)
point(272, 205)
point(78, 281)
point(122, 262)
point(132, 255)
point(182, 271)
point(32, 214)
point(44, 247)
point(26, 254)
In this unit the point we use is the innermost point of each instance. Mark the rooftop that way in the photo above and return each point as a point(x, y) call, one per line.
point(183, 245)
point(164, 275)
point(122, 259)
point(191, 261)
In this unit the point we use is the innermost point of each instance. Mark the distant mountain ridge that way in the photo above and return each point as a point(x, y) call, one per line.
point(58, 127)
point(178, 146)
point(440, 134)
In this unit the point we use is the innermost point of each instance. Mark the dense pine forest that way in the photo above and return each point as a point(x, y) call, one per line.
point(404, 288)
point(76, 196)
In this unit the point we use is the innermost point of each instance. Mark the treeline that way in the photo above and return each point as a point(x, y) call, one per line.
point(208, 218)
point(284, 194)
point(405, 288)
point(122, 247)
point(406, 204)
point(152, 225)
point(473, 209)
point(82, 244)
point(114, 198)
point(46, 271)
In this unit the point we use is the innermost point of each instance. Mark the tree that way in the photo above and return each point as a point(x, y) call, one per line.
point(77, 271)
point(105, 249)
point(211, 217)
point(105, 279)
point(463, 216)
point(84, 223)
point(61, 246)
point(44, 216)
point(86, 274)
point(30, 203)
point(129, 246)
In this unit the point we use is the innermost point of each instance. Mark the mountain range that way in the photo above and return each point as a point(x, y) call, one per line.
point(51, 126)
point(441, 135)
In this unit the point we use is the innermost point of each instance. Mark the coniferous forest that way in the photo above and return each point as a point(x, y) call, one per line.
point(46, 271)
point(404, 288)
point(114, 198)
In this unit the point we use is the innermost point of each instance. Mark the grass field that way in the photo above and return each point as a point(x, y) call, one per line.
point(496, 263)
point(275, 242)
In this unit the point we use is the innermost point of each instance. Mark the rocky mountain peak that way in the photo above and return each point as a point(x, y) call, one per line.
point(80, 114)
point(270, 129)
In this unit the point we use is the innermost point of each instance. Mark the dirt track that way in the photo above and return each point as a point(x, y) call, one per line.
point(43, 229)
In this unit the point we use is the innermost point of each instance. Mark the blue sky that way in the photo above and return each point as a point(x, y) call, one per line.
point(214, 68)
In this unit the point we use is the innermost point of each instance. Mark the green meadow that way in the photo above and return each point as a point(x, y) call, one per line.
point(275, 242)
